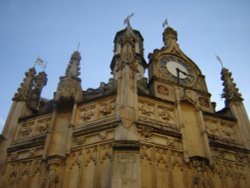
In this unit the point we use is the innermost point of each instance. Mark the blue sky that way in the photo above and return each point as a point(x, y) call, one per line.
point(52, 29)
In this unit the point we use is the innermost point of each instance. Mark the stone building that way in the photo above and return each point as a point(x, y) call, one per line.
point(160, 131)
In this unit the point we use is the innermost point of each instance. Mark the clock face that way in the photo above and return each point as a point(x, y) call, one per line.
point(177, 70)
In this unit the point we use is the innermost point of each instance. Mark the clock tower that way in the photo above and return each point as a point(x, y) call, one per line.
point(136, 132)
point(171, 71)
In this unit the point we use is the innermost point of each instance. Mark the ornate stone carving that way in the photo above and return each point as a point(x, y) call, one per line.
point(106, 152)
point(201, 178)
point(102, 135)
point(55, 173)
point(204, 102)
point(80, 139)
point(13, 156)
point(165, 114)
point(91, 155)
point(177, 160)
point(34, 127)
point(107, 108)
point(239, 157)
point(76, 159)
point(14, 168)
point(26, 129)
point(69, 87)
point(145, 132)
point(228, 131)
point(24, 90)
point(173, 142)
point(230, 91)
point(162, 156)
point(25, 170)
point(219, 153)
point(146, 153)
point(32, 152)
point(42, 125)
point(37, 167)
point(163, 90)
point(39, 82)
point(212, 127)
point(87, 113)
point(146, 108)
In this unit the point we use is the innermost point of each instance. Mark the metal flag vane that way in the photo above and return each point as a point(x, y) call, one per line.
point(219, 59)
point(127, 19)
point(165, 23)
point(40, 63)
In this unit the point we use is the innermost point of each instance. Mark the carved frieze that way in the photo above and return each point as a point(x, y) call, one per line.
point(80, 139)
point(25, 154)
point(152, 110)
point(107, 108)
point(146, 109)
point(33, 127)
point(221, 129)
point(228, 131)
point(173, 142)
point(93, 112)
point(145, 132)
point(26, 129)
point(42, 125)
point(212, 126)
point(87, 113)
point(166, 114)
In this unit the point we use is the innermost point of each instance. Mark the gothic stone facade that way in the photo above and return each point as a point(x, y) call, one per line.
point(160, 131)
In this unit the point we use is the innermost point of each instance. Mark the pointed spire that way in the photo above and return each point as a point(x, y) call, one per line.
point(39, 82)
point(69, 86)
point(73, 66)
point(230, 91)
point(24, 90)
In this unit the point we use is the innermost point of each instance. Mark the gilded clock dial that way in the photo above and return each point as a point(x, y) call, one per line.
point(177, 70)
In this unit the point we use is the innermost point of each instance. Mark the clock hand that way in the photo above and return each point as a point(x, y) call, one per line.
point(178, 71)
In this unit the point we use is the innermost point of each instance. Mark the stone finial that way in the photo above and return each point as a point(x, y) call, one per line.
point(24, 90)
point(169, 35)
point(69, 86)
point(39, 82)
point(230, 91)
point(73, 66)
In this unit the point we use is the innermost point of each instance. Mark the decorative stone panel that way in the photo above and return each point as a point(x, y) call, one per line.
point(87, 113)
point(33, 127)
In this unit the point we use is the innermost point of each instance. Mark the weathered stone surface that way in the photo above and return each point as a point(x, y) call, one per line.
point(131, 132)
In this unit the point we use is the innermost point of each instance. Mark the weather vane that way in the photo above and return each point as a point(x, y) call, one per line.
point(41, 63)
point(127, 19)
point(220, 61)
point(165, 23)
